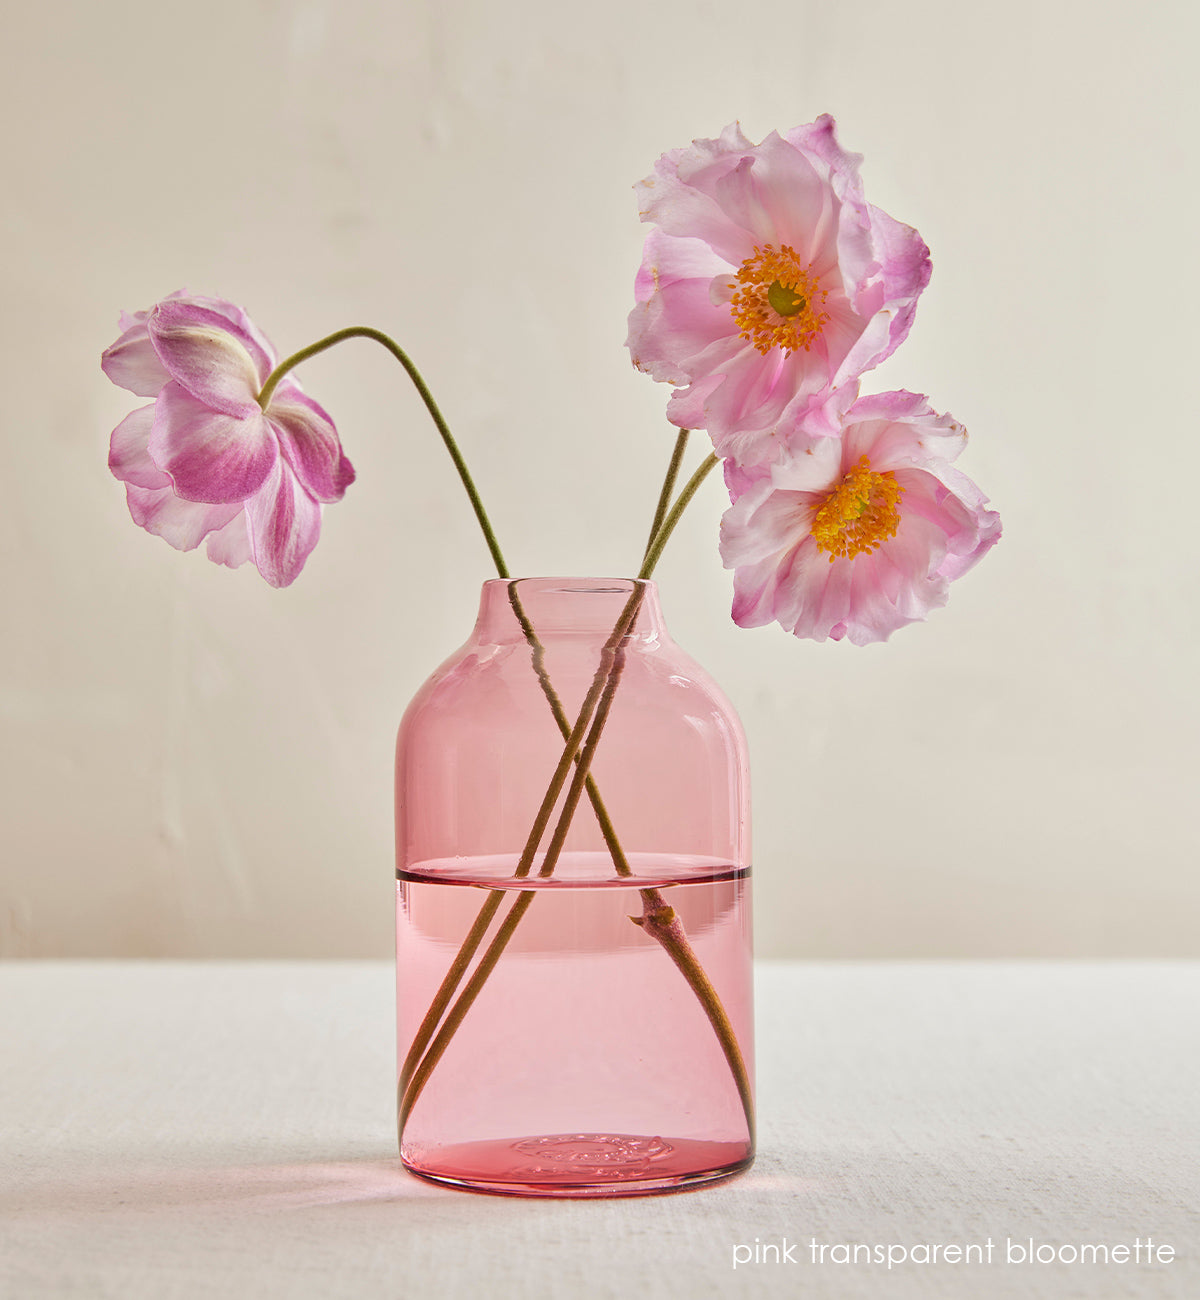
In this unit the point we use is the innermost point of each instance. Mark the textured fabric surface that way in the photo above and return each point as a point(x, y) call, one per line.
point(184, 1130)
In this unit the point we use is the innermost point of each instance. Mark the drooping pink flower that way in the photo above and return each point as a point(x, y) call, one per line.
point(204, 460)
point(769, 286)
point(857, 536)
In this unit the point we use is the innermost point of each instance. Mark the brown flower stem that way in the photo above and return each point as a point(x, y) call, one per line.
point(598, 702)
point(450, 981)
point(659, 919)
point(607, 830)
point(478, 929)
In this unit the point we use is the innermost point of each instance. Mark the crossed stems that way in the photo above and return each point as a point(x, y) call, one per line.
point(658, 918)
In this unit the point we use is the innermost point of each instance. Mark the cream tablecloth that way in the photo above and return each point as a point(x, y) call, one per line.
point(224, 1129)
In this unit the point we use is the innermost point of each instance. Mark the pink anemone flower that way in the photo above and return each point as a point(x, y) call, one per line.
point(204, 460)
point(859, 535)
point(769, 286)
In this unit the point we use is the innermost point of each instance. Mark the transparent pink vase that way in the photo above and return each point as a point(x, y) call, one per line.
point(574, 1001)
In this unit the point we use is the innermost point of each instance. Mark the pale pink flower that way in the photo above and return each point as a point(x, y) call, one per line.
point(204, 460)
point(769, 286)
point(857, 536)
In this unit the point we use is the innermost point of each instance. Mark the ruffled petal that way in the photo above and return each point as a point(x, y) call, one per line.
point(743, 412)
point(918, 588)
point(813, 465)
point(239, 323)
point(310, 442)
point(810, 593)
point(184, 524)
point(285, 524)
point(210, 456)
point(132, 363)
point(900, 429)
point(683, 196)
point(763, 522)
point(818, 141)
point(673, 331)
point(952, 504)
point(819, 415)
point(799, 204)
point(905, 268)
point(753, 594)
point(667, 260)
point(216, 359)
point(685, 409)
point(128, 457)
point(231, 545)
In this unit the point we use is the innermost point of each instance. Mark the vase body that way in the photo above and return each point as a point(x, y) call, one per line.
point(574, 1002)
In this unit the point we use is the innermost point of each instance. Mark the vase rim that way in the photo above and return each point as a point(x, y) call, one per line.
point(567, 604)
point(576, 584)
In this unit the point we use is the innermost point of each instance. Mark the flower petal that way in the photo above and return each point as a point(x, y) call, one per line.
point(753, 594)
point(210, 456)
point(128, 457)
point(666, 259)
point(672, 331)
point(762, 522)
point(231, 545)
point(310, 442)
point(184, 524)
point(797, 200)
point(215, 358)
point(285, 524)
point(682, 196)
point(132, 363)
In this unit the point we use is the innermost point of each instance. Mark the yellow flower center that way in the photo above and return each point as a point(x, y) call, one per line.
point(777, 301)
point(860, 514)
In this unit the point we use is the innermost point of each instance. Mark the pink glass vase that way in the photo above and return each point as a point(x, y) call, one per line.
point(573, 945)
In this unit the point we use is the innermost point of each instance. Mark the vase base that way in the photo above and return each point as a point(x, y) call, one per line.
point(582, 1164)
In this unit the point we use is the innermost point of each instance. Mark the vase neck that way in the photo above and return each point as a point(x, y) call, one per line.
point(589, 606)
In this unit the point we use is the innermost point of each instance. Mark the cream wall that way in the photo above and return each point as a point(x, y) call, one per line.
point(194, 764)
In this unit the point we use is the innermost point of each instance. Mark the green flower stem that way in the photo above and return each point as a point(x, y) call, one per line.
point(668, 486)
point(663, 536)
point(366, 332)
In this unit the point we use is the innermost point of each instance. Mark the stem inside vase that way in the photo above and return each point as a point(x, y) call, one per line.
point(668, 918)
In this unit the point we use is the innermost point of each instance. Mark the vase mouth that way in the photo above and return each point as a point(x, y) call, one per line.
point(566, 604)
point(573, 586)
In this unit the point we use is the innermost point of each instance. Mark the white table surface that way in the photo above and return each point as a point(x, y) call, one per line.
point(177, 1130)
